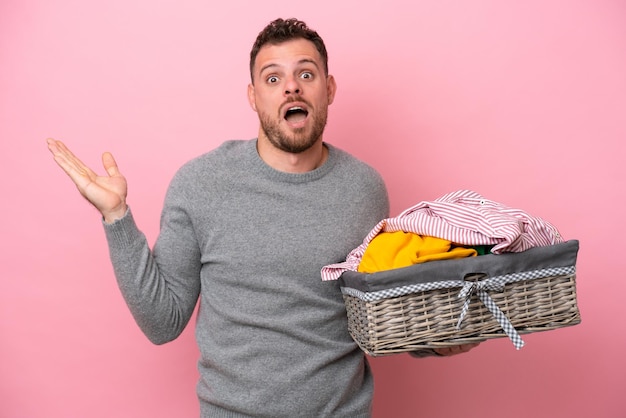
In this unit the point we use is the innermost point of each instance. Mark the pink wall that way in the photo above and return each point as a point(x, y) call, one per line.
point(524, 102)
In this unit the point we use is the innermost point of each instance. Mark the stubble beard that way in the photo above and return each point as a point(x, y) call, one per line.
point(298, 141)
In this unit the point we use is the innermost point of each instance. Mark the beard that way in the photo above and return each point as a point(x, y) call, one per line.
point(297, 141)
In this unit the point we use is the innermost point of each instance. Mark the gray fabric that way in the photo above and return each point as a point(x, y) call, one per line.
point(486, 282)
point(491, 265)
point(250, 241)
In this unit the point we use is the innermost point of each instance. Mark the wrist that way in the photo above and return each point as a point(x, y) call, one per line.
point(118, 213)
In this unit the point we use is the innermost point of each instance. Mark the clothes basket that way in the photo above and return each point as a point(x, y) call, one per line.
point(451, 302)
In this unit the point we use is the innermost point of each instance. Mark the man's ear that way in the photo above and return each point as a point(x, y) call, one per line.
point(251, 96)
point(331, 88)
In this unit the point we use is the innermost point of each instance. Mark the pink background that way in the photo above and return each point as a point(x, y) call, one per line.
point(524, 102)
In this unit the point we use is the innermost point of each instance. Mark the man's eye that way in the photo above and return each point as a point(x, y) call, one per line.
point(272, 79)
point(306, 75)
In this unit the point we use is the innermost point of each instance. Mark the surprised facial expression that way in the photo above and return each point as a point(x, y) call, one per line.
point(291, 93)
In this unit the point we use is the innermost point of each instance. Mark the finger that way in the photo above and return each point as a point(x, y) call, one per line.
point(110, 165)
point(463, 348)
point(457, 349)
point(468, 347)
point(61, 152)
point(59, 149)
point(73, 167)
point(72, 159)
point(444, 351)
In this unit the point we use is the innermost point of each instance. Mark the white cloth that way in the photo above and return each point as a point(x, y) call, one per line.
point(463, 217)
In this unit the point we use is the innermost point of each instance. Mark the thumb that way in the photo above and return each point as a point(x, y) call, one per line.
point(109, 164)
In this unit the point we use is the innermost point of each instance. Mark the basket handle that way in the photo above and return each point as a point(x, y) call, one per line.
point(475, 277)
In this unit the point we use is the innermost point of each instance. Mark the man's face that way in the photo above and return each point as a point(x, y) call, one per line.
point(291, 94)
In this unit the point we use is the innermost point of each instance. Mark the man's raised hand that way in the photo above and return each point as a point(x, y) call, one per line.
point(106, 193)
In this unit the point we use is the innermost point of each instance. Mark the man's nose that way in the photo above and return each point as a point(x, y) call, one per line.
point(292, 86)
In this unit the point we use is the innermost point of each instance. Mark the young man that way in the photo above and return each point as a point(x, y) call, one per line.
point(246, 229)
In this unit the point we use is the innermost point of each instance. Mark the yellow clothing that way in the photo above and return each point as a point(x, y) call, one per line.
point(390, 250)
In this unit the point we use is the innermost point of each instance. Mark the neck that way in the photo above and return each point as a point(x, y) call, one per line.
point(288, 162)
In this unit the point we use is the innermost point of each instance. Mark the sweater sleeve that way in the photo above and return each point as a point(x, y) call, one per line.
point(160, 287)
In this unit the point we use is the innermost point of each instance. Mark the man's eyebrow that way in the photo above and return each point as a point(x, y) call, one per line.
point(309, 61)
point(302, 61)
point(268, 66)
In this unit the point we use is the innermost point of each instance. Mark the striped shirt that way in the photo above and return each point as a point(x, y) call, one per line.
point(465, 218)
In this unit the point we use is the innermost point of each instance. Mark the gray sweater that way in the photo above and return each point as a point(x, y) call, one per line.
point(249, 242)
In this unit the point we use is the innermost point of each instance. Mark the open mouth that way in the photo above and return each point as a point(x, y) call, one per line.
point(296, 114)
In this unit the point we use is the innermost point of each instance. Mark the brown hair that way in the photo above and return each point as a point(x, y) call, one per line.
point(281, 30)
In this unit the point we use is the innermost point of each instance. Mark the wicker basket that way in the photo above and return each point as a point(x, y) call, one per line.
point(419, 307)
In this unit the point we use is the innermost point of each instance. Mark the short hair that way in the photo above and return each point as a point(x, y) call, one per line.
point(281, 30)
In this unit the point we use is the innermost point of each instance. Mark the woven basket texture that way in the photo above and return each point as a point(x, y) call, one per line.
point(429, 319)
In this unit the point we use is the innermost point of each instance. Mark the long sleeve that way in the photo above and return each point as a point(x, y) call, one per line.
point(250, 242)
point(161, 288)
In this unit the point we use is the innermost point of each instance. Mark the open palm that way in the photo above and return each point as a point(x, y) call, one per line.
point(106, 193)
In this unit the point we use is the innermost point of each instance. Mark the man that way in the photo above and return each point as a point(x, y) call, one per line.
point(246, 229)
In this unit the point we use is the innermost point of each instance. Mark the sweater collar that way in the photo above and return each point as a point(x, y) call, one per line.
point(281, 176)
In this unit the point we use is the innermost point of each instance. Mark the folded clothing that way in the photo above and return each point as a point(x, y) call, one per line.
point(391, 250)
